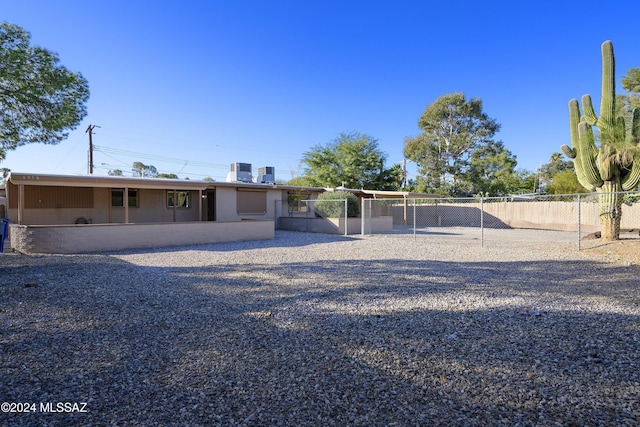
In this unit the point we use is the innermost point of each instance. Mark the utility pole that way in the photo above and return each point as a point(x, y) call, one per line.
point(90, 132)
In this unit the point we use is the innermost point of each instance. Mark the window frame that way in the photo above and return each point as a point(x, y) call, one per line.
point(133, 200)
point(187, 203)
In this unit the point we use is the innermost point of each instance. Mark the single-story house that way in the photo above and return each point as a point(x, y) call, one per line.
point(84, 213)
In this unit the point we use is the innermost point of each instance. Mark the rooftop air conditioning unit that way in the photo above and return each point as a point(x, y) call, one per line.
point(240, 172)
point(266, 175)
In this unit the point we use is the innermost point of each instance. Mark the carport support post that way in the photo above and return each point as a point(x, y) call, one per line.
point(405, 209)
point(346, 217)
point(20, 204)
point(362, 218)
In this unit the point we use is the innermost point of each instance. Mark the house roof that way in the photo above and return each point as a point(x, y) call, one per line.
point(386, 194)
point(134, 182)
point(107, 181)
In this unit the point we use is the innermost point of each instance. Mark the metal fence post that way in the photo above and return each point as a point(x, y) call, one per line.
point(579, 219)
point(414, 219)
point(482, 221)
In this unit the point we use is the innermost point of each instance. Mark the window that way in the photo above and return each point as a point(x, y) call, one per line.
point(252, 202)
point(183, 199)
point(117, 198)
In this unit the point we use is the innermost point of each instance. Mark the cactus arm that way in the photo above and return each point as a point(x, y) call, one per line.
point(574, 119)
point(589, 112)
point(608, 100)
point(583, 150)
point(635, 127)
point(632, 179)
point(568, 151)
point(586, 169)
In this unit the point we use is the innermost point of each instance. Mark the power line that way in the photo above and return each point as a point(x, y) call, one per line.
point(134, 154)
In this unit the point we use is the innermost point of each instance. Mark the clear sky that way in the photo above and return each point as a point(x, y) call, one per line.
point(192, 86)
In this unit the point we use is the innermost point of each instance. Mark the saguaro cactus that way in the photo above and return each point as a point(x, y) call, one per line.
point(613, 164)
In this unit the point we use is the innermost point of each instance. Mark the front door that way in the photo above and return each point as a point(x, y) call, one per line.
point(211, 205)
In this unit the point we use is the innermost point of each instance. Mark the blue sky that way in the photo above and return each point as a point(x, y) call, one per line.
point(192, 86)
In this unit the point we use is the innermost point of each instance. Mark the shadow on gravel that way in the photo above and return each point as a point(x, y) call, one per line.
point(301, 239)
point(380, 342)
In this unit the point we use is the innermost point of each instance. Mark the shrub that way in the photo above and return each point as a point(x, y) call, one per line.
point(331, 204)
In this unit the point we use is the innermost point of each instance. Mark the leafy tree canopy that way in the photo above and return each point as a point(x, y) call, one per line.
point(330, 204)
point(565, 182)
point(492, 172)
point(452, 127)
point(548, 171)
point(631, 80)
point(147, 171)
point(40, 100)
point(351, 160)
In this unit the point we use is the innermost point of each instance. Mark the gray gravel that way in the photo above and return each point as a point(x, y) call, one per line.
point(311, 329)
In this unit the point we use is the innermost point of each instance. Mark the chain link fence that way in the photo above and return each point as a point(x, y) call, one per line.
point(566, 218)
point(317, 216)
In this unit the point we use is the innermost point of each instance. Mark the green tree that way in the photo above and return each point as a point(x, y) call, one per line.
point(330, 204)
point(556, 164)
point(146, 171)
point(492, 171)
point(115, 172)
point(40, 100)
point(167, 176)
point(452, 127)
point(5, 174)
point(626, 103)
point(352, 160)
point(565, 182)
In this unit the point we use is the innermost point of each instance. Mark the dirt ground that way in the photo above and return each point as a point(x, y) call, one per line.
point(623, 250)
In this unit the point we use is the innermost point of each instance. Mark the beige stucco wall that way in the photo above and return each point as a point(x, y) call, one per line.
point(336, 225)
point(561, 216)
point(110, 237)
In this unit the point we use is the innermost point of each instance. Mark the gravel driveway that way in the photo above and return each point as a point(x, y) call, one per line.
point(319, 330)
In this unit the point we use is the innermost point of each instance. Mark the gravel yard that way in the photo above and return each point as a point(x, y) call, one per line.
point(321, 330)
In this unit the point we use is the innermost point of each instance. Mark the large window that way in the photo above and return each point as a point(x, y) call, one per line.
point(252, 202)
point(183, 199)
point(117, 198)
